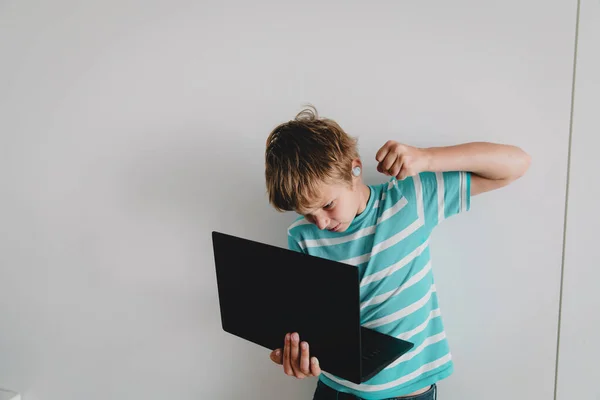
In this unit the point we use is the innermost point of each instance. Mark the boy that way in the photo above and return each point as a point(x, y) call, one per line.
point(313, 168)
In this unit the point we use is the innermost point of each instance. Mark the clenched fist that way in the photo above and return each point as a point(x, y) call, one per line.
point(400, 160)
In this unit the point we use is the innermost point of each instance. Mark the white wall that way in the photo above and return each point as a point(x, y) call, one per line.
point(578, 369)
point(130, 130)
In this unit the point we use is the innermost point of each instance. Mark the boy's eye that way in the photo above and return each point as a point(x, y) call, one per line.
point(328, 205)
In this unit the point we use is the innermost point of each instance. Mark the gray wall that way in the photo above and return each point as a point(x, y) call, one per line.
point(129, 130)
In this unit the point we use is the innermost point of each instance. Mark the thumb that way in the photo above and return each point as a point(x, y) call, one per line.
point(315, 368)
point(276, 356)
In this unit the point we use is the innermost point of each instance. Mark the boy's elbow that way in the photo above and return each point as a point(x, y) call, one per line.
point(523, 164)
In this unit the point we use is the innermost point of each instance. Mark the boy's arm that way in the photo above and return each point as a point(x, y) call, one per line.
point(492, 165)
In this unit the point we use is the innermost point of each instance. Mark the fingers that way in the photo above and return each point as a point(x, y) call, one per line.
point(382, 152)
point(396, 159)
point(403, 174)
point(295, 352)
point(304, 359)
point(295, 356)
point(277, 356)
point(396, 168)
point(291, 361)
point(392, 169)
point(389, 161)
point(287, 367)
point(390, 158)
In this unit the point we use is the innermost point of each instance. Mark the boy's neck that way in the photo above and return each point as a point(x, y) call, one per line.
point(365, 194)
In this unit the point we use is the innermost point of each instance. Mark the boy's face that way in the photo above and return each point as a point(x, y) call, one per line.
point(336, 205)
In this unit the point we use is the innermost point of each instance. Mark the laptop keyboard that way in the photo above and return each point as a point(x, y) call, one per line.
point(370, 345)
point(371, 359)
point(369, 352)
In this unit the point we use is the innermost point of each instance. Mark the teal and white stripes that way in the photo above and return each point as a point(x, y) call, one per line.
point(389, 244)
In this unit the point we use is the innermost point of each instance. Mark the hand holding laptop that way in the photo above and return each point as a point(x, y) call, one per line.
point(295, 358)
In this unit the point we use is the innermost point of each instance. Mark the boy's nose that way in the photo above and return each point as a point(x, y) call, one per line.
point(322, 223)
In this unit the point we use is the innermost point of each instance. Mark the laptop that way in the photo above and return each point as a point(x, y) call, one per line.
point(267, 291)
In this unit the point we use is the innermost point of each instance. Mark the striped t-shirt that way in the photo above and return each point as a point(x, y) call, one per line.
point(389, 244)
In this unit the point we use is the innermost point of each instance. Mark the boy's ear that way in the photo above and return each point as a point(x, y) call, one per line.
point(357, 171)
point(357, 163)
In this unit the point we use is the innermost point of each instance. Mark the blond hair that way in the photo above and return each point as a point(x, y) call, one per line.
point(303, 153)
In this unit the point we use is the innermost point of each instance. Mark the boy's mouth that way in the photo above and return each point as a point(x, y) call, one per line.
point(335, 228)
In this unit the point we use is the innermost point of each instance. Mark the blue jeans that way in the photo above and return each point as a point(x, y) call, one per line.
point(324, 392)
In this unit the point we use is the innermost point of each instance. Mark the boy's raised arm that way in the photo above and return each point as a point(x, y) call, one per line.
point(492, 165)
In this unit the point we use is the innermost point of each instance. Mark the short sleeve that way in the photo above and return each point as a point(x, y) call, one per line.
point(445, 194)
point(293, 244)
